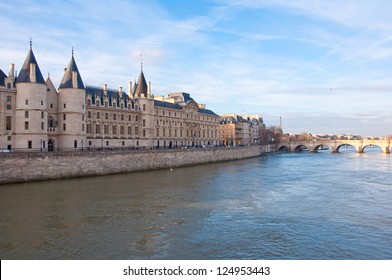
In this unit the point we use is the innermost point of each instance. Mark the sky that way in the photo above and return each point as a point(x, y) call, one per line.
point(325, 67)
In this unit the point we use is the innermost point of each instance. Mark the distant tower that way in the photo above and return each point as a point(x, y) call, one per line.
point(146, 102)
point(30, 115)
point(71, 109)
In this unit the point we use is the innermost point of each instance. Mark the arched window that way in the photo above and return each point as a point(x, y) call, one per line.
point(75, 144)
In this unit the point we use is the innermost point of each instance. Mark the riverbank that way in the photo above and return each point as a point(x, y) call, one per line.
point(27, 167)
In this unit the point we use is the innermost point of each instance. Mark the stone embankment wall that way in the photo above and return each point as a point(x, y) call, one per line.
point(20, 167)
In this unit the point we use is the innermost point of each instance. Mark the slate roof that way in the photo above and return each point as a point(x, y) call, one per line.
point(66, 82)
point(24, 74)
point(167, 105)
point(206, 111)
point(141, 85)
point(3, 76)
point(97, 93)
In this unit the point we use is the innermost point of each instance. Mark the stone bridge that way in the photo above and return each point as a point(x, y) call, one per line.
point(334, 145)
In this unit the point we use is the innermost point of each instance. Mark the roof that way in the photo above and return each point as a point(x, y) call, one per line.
point(66, 82)
point(167, 105)
point(3, 76)
point(98, 93)
point(141, 85)
point(206, 111)
point(24, 74)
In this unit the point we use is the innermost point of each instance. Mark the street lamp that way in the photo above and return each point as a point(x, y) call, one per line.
point(40, 145)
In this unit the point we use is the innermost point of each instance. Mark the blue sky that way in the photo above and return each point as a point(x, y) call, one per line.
point(324, 66)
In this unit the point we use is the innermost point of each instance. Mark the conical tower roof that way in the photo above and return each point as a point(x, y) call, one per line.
point(25, 75)
point(67, 82)
point(141, 88)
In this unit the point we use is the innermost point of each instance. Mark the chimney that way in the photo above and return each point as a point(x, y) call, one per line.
point(74, 79)
point(130, 89)
point(120, 90)
point(12, 70)
point(105, 87)
point(149, 89)
point(33, 75)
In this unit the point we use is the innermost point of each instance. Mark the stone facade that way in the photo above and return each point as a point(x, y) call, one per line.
point(237, 130)
point(25, 167)
point(35, 116)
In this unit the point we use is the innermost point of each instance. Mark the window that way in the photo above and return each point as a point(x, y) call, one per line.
point(121, 130)
point(129, 130)
point(64, 127)
point(114, 117)
point(136, 118)
point(106, 116)
point(82, 117)
point(144, 122)
point(157, 134)
point(88, 102)
point(42, 103)
point(26, 125)
point(42, 125)
point(144, 107)
point(9, 138)
point(114, 129)
point(9, 98)
point(26, 114)
point(8, 122)
point(65, 105)
point(129, 118)
point(27, 102)
point(42, 115)
point(29, 144)
point(82, 126)
point(106, 104)
point(88, 128)
point(106, 129)
point(114, 105)
point(8, 106)
point(144, 133)
point(64, 117)
point(122, 117)
point(97, 128)
point(98, 115)
point(75, 144)
point(136, 130)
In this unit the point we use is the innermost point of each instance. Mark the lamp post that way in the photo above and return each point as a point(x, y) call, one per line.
point(40, 145)
point(82, 144)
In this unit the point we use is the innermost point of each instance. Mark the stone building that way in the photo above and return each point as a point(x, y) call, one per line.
point(35, 116)
point(237, 130)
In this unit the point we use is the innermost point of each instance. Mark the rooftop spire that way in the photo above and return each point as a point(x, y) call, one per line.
point(72, 78)
point(30, 72)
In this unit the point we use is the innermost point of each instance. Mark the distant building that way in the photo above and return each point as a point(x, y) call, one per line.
point(237, 130)
point(35, 116)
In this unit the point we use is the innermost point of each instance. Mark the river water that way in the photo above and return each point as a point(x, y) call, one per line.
point(289, 206)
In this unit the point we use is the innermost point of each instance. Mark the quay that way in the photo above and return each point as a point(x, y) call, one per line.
point(27, 167)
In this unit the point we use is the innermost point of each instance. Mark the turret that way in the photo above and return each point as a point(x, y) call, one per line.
point(30, 113)
point(71, 109)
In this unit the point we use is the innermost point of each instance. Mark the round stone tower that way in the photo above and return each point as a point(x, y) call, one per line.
point(30, 114)
point(71, 109)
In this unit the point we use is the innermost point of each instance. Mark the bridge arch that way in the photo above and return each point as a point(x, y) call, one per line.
point(346, 145)
point(284, 149)
point(381, 150)
point(300, 148)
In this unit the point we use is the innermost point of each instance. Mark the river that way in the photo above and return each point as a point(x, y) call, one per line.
point(289, 206)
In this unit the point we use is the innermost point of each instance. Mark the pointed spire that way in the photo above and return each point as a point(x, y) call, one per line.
point(141, 85)
point(30, 72)
point(72, 78)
